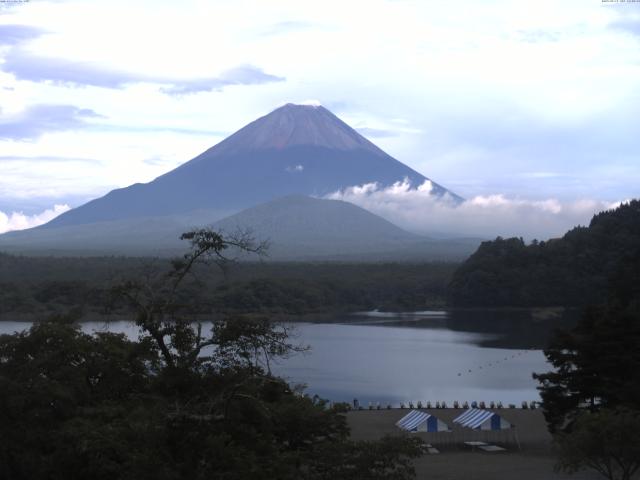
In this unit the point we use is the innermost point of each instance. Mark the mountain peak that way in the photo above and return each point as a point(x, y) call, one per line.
point(304, 104)
point(295, 149)
point(293, 125)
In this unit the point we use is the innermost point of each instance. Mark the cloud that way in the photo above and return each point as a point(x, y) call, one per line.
point(288, 26)
point(156, 161)
point(500, 148)
point(38, 119)
point(294, 168)
point(20, 221)
point(312, 102)
point(629, 24)
point(156, 128)
point(243, 75)
point(27, 66)
point(538, 36)
point(15, 34)
point(481, 216)
point(46, 159)
point(543, 175)
point(376, 132)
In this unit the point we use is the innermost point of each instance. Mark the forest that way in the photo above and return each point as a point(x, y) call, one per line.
point(32, 287)
point(591, 395)
point(574, 270)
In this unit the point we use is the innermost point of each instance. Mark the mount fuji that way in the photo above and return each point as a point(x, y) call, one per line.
point(294, 150)
point(260, 178)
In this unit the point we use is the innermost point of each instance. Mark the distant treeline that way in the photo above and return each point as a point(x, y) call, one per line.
point(47, 285)
point(574, 270)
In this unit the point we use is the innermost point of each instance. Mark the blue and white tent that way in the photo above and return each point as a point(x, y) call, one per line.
point(417, 421)
point(478, 419)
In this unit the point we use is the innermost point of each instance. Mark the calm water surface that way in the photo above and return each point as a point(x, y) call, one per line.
point(392, 358)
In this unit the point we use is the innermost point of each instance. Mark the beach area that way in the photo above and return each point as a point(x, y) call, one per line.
point(528, 453)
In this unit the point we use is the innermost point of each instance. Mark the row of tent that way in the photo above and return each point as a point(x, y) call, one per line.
point(474, 418)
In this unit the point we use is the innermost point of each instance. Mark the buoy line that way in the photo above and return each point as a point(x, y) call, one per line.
point(494, 363)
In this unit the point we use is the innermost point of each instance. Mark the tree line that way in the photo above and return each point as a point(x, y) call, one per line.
point(574, 270)
point(41, 286)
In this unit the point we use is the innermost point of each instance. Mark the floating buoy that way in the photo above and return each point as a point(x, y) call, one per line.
point(497, 362)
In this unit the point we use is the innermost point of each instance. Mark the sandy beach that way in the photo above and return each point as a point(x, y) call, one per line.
point(528, 454)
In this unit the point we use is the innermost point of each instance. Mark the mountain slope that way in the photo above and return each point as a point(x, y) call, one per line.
point(304, 227)
point(297, 228)
point(296, 149)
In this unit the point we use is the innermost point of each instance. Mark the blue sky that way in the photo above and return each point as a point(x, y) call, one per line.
point(528, 101)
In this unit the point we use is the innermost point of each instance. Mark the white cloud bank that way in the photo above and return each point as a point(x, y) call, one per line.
point(20, 221)
point(417, 210)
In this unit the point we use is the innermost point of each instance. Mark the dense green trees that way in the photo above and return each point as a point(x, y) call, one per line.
point(607, 441)
point(597, 362)
point(41, 286)
point(67, 397)
point(592, 397)
point(571, 271)
point(596, 365)
point(179, 403)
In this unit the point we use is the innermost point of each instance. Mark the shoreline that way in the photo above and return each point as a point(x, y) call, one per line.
point(537, 313)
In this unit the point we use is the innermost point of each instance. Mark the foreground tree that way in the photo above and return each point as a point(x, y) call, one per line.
point(596, 363)
point(68, 397)
point(596, 366)
point(159, 302)
point(591, 400)
point(607, 441)
point(179, 403)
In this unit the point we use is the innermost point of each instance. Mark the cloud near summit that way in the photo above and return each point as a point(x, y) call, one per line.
point(487, 216)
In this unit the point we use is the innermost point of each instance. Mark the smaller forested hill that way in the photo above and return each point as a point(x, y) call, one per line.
point(570, 271)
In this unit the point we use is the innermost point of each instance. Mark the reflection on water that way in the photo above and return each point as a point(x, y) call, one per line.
point(511, 329)
point(435, 356)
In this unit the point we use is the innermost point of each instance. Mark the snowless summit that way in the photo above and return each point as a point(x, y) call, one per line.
point(294, 150)
point(294, 125)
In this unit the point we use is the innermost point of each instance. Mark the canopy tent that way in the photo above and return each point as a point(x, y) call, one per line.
point(478, 419)
point(417, 421)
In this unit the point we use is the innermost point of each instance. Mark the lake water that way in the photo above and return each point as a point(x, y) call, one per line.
point(393, 358)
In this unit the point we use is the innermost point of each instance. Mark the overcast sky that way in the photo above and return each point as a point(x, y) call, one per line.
point(519, 100)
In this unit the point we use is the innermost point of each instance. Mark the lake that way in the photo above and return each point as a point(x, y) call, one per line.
point(428, 356)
